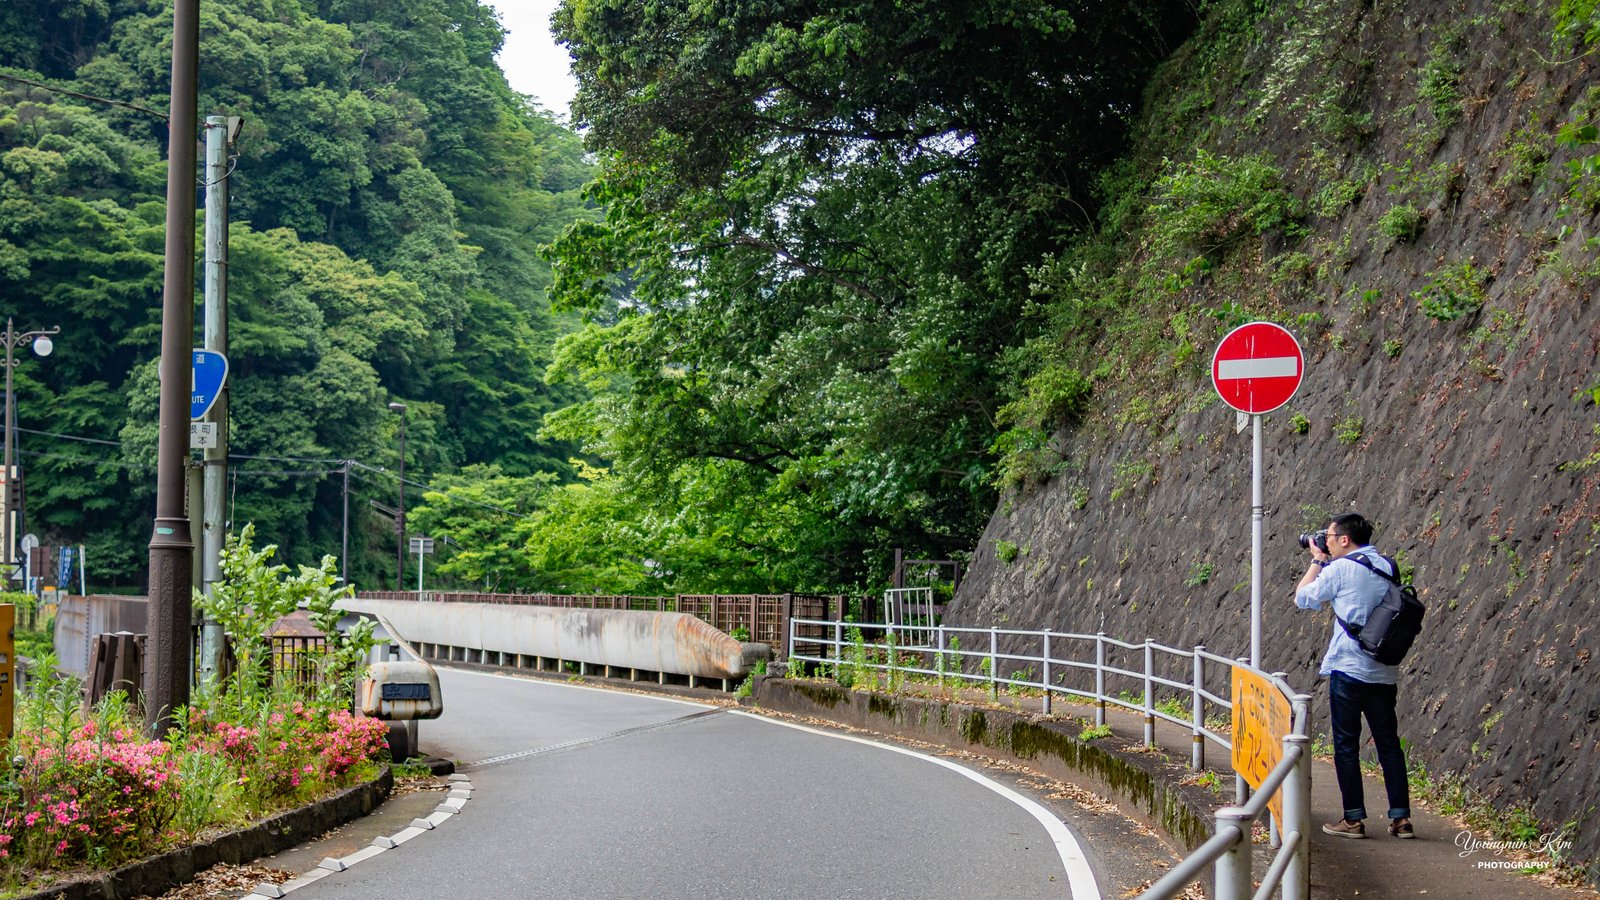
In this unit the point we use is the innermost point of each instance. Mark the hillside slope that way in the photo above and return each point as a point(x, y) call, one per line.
point(1385, 180)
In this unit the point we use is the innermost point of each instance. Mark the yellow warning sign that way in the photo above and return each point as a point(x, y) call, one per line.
point(1261, 718)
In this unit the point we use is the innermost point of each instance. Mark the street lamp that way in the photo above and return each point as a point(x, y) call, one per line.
point(400, 515)
point(42, 345)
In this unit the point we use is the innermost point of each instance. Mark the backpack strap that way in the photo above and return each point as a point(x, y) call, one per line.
point(1355, 630)
point(1362, 559)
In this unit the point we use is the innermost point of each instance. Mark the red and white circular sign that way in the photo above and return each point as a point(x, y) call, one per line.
point(1257, 367)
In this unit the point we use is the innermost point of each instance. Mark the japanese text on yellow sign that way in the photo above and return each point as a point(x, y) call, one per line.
point(1261, 717)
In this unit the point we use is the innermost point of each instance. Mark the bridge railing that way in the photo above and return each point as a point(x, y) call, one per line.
point(1144, 677)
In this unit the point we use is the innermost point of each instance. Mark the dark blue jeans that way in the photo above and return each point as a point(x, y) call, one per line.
point(1349, 700)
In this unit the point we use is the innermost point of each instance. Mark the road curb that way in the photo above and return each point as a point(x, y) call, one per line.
point(157, 874)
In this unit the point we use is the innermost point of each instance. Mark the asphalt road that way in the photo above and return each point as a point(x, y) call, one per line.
point(580, 792)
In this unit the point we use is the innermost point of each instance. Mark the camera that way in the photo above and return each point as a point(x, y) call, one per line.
point(1319, 538)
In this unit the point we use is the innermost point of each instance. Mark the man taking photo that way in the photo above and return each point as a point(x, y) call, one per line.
point(1342, 573)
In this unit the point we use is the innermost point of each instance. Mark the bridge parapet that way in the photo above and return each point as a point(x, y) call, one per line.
point(662, 642)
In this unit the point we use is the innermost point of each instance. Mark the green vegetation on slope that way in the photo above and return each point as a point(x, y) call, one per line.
point(820, 228)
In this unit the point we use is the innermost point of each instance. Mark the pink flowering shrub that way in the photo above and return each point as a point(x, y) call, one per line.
point(104, 798)
point(350, 740)
point(291, 750)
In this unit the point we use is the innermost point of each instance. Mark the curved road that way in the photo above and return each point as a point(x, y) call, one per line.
point(583, 792)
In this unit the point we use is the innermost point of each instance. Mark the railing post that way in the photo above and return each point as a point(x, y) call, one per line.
point(1296, 883)
point(1149, 698)
point(892, 654)
point(838, 646)
point(940, 663)
point(1232, 871)
point(787, 612)
point(1099, 678)
point(1046, 668)
point(1197, 755)
point(994, 662)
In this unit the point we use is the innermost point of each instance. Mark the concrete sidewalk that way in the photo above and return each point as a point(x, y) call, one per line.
point(1431, 865)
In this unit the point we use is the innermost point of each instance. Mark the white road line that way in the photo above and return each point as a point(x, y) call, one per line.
point(1264, 367)
point(530, 679)
point(1080, 878)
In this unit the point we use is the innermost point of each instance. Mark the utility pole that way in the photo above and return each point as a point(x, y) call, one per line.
point(400, 517)
point(344, 540)
point(221, 133)
point(167, 653)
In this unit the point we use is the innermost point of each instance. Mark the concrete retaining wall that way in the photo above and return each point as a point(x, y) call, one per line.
point(674, 643)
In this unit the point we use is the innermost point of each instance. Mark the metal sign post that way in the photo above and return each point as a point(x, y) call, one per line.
point(420, 546)
point(1256, 369)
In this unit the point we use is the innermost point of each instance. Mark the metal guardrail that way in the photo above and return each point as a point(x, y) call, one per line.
point(901, 649)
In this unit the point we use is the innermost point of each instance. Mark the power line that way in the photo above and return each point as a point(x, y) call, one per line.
point(84, 459)
point(91, 97)
point(89, 440)
point(354, 465)
point(68, 437)
point(453, 497)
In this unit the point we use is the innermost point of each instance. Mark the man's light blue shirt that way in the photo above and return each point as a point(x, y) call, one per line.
point(1354, 592)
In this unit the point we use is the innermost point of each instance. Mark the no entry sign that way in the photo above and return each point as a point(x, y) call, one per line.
point(1257, 367)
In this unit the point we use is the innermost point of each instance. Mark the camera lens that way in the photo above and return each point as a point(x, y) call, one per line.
point(1317, 538)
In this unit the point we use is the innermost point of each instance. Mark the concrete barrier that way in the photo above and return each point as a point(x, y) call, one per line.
point(79, 619)
point(673, 643)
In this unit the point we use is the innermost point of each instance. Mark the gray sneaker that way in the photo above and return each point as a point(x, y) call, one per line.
point(1346, 829)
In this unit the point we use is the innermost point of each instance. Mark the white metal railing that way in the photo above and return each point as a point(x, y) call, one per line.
point(916, 646)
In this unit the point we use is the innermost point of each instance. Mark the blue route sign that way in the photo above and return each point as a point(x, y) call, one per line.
point(210, 372)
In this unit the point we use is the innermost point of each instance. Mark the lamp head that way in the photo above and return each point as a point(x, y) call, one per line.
point(398, 407)
point(42, 345)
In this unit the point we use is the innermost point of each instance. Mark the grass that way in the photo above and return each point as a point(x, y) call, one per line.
point(1094, 733)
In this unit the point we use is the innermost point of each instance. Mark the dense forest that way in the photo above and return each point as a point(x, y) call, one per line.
point(771, 341)
point(389, 195)
point(799, 285)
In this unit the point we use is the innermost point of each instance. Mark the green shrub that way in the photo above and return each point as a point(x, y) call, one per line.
point(1006, 551)
point(1215, 201)
point(1441, 84)
point(1332, 198)
point(1402, 223)
point(1455, 291)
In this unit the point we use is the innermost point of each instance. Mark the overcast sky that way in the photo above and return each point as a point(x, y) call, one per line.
point(532, 61)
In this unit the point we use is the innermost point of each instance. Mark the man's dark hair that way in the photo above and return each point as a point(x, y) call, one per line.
point(1354, 526)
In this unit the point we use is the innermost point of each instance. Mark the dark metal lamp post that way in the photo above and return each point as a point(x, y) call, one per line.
point(42, 345)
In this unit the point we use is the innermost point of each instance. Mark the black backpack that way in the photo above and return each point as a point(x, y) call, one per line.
point(1393, 624)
